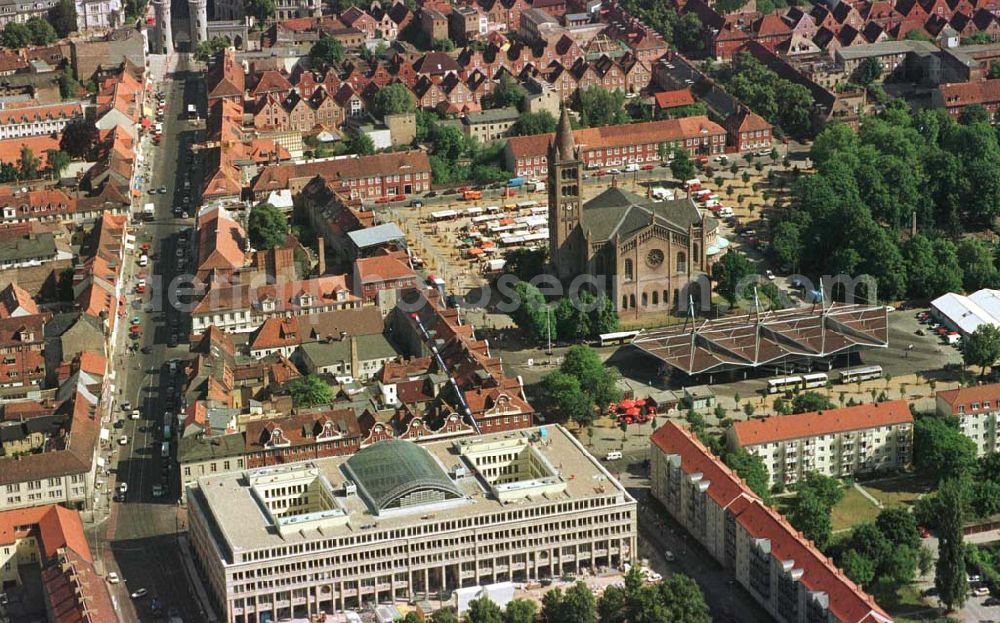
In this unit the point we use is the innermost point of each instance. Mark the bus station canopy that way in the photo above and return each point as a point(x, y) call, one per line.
point(767, 338)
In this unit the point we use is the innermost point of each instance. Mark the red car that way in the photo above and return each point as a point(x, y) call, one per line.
point(140, 289)
point(398, 197)
point(647, 167)
point(381, 200)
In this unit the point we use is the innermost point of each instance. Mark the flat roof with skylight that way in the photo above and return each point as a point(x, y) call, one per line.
point(395, 484)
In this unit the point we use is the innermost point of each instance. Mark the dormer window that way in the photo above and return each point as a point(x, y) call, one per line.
point(267, 305)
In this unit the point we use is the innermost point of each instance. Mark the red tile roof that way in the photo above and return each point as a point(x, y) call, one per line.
point(14, 298)
point(673, 99)
point(382, 268)
point(966, 93)
point(281, 331)
point(54, 526)
point(276, 177)
point(45, 112)
point(221, 241)
point(617, 135)
point(967, 396)
point(75, 592)
point(782, 427)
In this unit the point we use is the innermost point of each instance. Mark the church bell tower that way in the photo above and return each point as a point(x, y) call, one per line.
point(565, 177)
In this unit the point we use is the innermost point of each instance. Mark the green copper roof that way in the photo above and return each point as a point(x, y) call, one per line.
point(393, 468)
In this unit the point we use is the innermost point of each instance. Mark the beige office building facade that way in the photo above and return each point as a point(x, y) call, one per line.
point(399, 520)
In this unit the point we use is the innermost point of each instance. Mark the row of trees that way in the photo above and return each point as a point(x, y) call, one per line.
point(780, 101)
point(35, 31)
point(851, 214)
point(571, 319)
point(676, 599)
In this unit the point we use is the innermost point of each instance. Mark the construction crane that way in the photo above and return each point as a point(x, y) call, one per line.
point(463, 405)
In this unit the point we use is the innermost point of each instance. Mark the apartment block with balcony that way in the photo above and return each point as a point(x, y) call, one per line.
point(398, 520)
point(785, 573)
point(839, 442)
point(978, 411)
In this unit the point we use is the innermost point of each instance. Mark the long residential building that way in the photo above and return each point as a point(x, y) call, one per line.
point(359, 177)
point(38, 120)
point(838, 442)
point(402, 520)
point(620, 145)
point(780, 568)
point(978, 412)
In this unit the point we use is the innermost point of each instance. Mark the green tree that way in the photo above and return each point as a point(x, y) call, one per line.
point(69, 87)
point(899, 527)
point(599, 107)
point(63, 17)
point(730, 274)
point(445, 615)
point(917, 34)
point(261, 10)
point(78, 138)
point(520, 611)
point(828, 490)
point(530, 123)
point(868, 71)
point(28, 164)
point(932, 266)
point(443, 45)
point(603, 317)
point(483, 611)
point(811, 516)
point(58, 161)
point(361, 144)
point(858, 567)
point(994, 70)
point(41, 32)
point(572, 322)
point(682, 167)
point(982, 347)
point(309, 391)
point(411, 617)
point(683, 600)
point(751, 468)
point(394, 99)
point(449, 143)
point(689, 33)
point(208, 49)
point(531, 313)
point(15, 36)
point(978, 264)
point(599, 382)
point(949, 574)
point(940, 450)
point(267, 227)
point(973, 113)
point(327, 51)
point(807, 402)
point(508, 92)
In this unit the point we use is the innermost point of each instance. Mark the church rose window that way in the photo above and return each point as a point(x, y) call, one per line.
point(654, 258)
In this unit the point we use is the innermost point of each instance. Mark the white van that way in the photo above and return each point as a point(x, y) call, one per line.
point(165, 449)
point(143, 260)
point(632, 168)
point(614, 455)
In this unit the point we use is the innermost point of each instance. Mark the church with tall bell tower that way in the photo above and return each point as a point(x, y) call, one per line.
point(646, 253)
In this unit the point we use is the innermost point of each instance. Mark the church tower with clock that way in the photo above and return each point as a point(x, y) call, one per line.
point(566, 250)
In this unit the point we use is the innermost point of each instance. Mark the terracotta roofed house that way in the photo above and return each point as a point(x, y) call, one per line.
point(978, 410)
point(956, 96)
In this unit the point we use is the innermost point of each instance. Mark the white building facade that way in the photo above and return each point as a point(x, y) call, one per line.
point(839, 443)
point(978, 410)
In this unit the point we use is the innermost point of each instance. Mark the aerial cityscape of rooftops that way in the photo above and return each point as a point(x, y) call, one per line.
point(500, 311)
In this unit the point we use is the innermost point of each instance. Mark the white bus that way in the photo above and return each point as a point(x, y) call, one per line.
point(618, 337)
point(855, 375)
point(812, 381)
point(784, 384)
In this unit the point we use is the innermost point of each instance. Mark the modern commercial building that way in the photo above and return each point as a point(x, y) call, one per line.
point(977, 409)
point(839, 442)
point(778, 567)
point(399, 519)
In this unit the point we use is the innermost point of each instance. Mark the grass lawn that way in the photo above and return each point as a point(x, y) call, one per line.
point(852, 510)
point(900, 491)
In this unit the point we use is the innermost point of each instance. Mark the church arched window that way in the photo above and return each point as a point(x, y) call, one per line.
point(656, 298)
point(624, 301)
point(631, 300)
point(629, 273)
point(645, 300)
point(681, 262)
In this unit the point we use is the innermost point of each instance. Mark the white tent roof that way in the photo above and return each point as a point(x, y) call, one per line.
point(965, 312)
